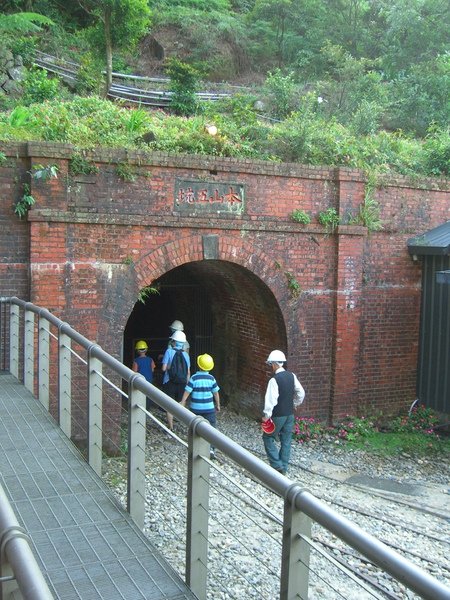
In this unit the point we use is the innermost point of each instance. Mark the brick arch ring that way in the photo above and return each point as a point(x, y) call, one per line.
point(190, 249)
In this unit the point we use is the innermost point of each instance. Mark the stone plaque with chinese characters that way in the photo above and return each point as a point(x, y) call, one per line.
point(208, 196)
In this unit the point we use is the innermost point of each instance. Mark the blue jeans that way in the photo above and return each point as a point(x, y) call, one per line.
point(211, 417)
point(279, 458)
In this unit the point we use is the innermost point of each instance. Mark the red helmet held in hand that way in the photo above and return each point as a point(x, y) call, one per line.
point(268, 426)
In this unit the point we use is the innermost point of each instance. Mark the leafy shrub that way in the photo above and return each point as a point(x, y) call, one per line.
point(24, 203)
point(307, 429)
point(183, 84)
point(355, 92)
point(436, 150)
point(293, 285)
point(369, 211)
point(240, 107)
point(369, 215)
point(25, 47)
point(305, 137)
point(89, 75)
point(300, 216)
point(329, 218)
point(354, 428)
point(38, 87)
point(19, 123)
point(420, 96)
point(78, 165)
point(419, 420)
point(281, 90)
point(125, 171)
point(367, 117)
point(44, 173)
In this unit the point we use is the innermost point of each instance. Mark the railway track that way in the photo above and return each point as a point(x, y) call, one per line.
point(385, 508)
point(405, 526)
point(133, 89)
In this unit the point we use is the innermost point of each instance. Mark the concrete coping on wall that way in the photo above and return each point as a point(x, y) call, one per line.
point(241, 222)
point(59, 151)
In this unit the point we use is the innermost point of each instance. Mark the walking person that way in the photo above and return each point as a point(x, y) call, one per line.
point(204, 392)
point(176, 366)
point(283, 394)
point(144, 365)
point(177, 325)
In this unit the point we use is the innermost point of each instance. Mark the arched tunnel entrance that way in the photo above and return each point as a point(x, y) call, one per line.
point(228, 312)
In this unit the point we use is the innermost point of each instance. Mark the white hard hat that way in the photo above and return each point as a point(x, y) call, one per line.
point(276, 356)
point(178, 336)
point(177, 325)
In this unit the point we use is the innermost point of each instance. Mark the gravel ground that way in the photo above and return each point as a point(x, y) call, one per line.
point(403, 468)
point(245, 553)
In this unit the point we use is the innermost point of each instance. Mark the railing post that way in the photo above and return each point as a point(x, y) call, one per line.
point(295, 551)
point(136, 455)
point(197, 513)
point(14, 340)
point(95, 430)
point(44, 362)
point(64, 383)
point(28, 351)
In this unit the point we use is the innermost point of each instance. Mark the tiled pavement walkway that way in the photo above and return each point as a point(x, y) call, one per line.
point(86, 544)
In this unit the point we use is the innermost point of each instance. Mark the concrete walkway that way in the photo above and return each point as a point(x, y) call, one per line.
point(86, 544)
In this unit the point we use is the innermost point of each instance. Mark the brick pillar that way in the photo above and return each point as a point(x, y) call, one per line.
point(347, 325)
point(344, 394)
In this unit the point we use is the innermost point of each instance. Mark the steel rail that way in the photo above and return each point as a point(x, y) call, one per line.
point(158, 98)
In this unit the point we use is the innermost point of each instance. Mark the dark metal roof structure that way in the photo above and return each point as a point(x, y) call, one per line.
point(433, 376)
point(435, 242)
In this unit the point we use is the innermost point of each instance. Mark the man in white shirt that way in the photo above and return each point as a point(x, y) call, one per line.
point(283, 394)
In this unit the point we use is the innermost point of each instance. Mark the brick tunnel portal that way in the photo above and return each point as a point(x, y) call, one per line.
point(228, 312)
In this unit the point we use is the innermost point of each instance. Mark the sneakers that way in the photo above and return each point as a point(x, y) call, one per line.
point(212, 454)
point(282, 471)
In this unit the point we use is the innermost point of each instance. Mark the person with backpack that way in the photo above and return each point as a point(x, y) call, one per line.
point(176, 367)
point(284, 394)
point(144, 365)
point(204, 393)
point(177, 325)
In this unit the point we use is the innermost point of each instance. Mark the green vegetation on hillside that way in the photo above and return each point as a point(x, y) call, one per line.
point(343, 82)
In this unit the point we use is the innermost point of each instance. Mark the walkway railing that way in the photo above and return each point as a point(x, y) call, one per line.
point(19, 571)
point(39, 349)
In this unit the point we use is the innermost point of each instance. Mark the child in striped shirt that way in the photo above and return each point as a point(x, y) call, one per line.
point(204, 392)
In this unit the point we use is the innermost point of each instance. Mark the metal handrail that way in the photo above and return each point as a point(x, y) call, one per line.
point(298, 501)
point(16, 556)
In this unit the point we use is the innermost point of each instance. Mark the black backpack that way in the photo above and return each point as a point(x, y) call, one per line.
point(178, 368)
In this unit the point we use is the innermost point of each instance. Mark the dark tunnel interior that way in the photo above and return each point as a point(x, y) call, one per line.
point(227, 312)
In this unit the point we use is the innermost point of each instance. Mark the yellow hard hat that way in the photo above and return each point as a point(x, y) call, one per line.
point(205, 362)
point(141, 345)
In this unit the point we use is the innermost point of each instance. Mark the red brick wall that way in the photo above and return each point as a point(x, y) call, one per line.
point(351, 334)
point(14, 236)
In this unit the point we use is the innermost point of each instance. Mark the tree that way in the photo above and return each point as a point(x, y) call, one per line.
point(118, 24)
point(414, 31)
point(25, 22)
point(279, 13)
point(183, 84)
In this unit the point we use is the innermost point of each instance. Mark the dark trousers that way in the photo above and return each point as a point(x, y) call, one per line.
point(174, 390)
